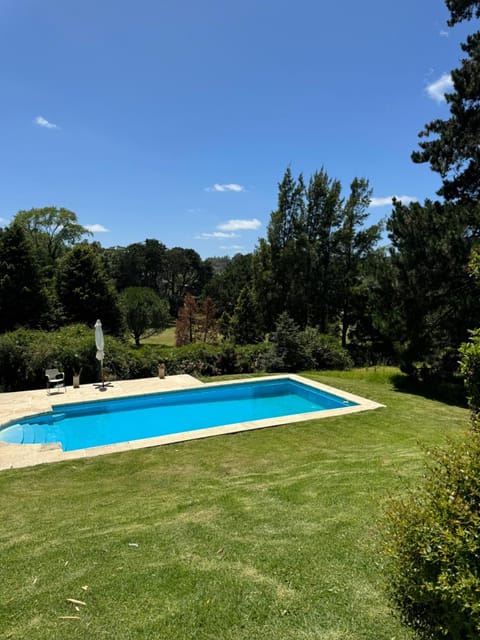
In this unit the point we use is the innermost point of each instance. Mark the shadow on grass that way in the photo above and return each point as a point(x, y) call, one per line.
point(452, 393)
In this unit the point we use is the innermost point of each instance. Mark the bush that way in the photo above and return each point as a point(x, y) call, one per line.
point(287, 351)
point(323, 351)
point(433, 547)
point(470, 369)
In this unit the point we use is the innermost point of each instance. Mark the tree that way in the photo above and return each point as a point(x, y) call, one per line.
point(287, 347)
point(52, 231)
point(187, 322)
point(225, 286)
point(452, 147)
point(145, 312)
point(323, 217)
point(185, 272)
point(84, 290)
point(284, 234)
point(435, 296)
point(354, 243)
point(245, 325)
point(208, 321)
point(141, 264)
point(23, 301)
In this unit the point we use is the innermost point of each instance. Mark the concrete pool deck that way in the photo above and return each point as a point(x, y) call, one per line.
point(20, 404)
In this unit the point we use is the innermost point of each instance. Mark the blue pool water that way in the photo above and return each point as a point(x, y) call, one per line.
point(93, 424)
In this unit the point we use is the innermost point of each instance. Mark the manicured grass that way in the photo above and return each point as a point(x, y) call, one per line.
point(265, 535)
point(165, 338)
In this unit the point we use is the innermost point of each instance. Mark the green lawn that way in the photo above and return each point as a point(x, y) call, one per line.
point(164, 338)
point(262, 535)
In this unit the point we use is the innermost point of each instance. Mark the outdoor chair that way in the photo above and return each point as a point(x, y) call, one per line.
point(55, 380)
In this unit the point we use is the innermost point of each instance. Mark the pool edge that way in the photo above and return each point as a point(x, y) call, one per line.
point(14, 456)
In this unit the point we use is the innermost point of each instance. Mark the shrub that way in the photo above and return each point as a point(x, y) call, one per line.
point(287, 350)
point(324, 351)
point(470, 369)
point(433, 547)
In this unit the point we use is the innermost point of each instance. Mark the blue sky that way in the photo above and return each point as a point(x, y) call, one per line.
point(176, 120)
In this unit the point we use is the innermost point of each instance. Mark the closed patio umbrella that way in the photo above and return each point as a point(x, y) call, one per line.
point(100, 344)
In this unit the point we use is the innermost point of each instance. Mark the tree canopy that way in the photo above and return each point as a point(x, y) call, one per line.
point(452, 146)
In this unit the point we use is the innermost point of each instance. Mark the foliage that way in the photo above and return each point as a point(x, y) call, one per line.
point(433, 547)
point(52, 231)
point(225, 287)
point(208, 322)
point(324, 351)
point(141, 264)
point(470, 369)
point(185, 273)
point(245, 323)
point(434, 299)
point(145, 312)
point(310, 266)
point(23, 300)
point(452, 147)
point(354, 244)
point(84, 290)
point(287, 350)
point(187, 322)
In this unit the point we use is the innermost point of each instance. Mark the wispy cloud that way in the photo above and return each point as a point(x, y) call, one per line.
point(437, 90)
point(97, 228)
point(221, 188)
point(217, 234)
point(232, 247)
point(43, 122)
point(237, 225)
point(2, 222)
point(444, 34)
point(382, 202)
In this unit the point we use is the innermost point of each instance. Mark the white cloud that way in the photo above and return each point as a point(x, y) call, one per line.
point(2, 222)
point(221, 188)
point(236, 225)
point(218, 234)
point(97, 228)
point(382, 202)
point(43, 122)
point(444, 34)
point(437, 90)
point(232, 247)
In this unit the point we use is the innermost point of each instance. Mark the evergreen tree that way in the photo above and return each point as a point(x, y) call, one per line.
point(436, 297)
point(452, 147)
point(245, 326)
point(354, 243)
point(23, 301)
point(284, 235)
point(84, 290)
point(225, 287)
point(323, 216)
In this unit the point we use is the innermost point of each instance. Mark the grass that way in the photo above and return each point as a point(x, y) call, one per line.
point(165, 338)
point(268, 534)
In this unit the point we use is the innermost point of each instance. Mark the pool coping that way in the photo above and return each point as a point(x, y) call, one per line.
point(14, 456)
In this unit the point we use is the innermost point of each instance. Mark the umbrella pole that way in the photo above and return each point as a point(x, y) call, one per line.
point(103, 376)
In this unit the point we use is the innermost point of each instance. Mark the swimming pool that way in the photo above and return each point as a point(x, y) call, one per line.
point(105, 422)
